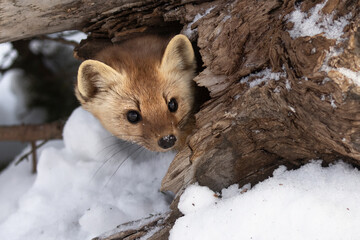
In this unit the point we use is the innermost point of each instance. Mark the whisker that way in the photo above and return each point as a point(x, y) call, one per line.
point(108, 159)
point(142, 149)
point(107, 147)
point(121, 163)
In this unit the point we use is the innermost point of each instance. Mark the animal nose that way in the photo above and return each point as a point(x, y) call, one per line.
point(167, 141)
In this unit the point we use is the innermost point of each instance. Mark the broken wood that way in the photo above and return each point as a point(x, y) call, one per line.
point(32, 132)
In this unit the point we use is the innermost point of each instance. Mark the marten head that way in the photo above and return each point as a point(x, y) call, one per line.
point(142, 90)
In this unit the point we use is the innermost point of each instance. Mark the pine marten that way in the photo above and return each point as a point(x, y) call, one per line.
point(142, 90)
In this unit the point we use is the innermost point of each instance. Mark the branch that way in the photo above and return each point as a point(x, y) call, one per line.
point(31, 133)
point(32, 152)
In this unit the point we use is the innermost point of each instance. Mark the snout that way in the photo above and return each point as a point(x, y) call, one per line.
point(167, 141)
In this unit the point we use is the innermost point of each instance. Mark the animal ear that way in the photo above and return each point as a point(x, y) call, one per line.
point(179, 55)
point(93, 76)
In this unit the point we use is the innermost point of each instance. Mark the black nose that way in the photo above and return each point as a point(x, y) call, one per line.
point(167, 141)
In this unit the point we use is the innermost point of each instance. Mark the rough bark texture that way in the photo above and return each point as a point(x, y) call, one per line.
point(309, 110)
point(244, 133)
point(32, 132)
point(21, 19)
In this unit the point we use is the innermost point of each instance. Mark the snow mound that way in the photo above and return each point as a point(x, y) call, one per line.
point(314, 23)
point(309, 203)
point(85, 185)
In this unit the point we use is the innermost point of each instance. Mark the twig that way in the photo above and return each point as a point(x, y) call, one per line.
point(34, 147)
point(34, 158)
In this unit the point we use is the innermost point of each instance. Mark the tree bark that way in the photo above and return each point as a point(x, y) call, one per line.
point(309, 107)
point(32, 132)
point(21, 19)
point(310, 112)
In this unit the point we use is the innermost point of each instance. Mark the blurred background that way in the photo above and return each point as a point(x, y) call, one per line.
point(36, 83)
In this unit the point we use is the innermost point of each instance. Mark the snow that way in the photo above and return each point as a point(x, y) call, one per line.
point(288, 85)
point(188, 31)
point(354, 76)
point(351, 75)
point(86, 185)
point(263, 77)
point(309, 203)
point(7, 55)
point(314, 23)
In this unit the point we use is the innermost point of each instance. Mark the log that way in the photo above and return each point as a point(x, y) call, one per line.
point(309, 110)
point(25, 19)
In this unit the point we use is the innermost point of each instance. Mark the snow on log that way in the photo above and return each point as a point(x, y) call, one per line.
point(284, 84)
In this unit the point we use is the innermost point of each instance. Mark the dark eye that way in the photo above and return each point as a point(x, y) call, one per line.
point(133, 116)
point(173, 105)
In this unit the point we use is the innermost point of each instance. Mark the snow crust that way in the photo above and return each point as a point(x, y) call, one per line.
point(86, 185)
point(314, 23)
point(188, 31)
point(354, 76)
point(309, 203)
point(263, 77)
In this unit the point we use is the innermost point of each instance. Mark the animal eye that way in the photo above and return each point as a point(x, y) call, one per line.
point(133, 116)
point(173, 105)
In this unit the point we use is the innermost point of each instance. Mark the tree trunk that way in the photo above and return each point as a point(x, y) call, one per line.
point(21, 19)
point(276, 99)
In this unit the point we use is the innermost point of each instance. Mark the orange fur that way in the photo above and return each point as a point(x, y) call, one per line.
point(142, 74)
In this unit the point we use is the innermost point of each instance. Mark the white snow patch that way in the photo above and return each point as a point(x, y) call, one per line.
point(354, 76)
point(226, 18)
point(188, 31)
point(196, 198)
point(262, 77)
point(309, 203)
point(277, 89)
point(85, 186)
point(314, 23)
point(7, 55)
point(332, 102)
point(288, 85)
point(75, 36)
